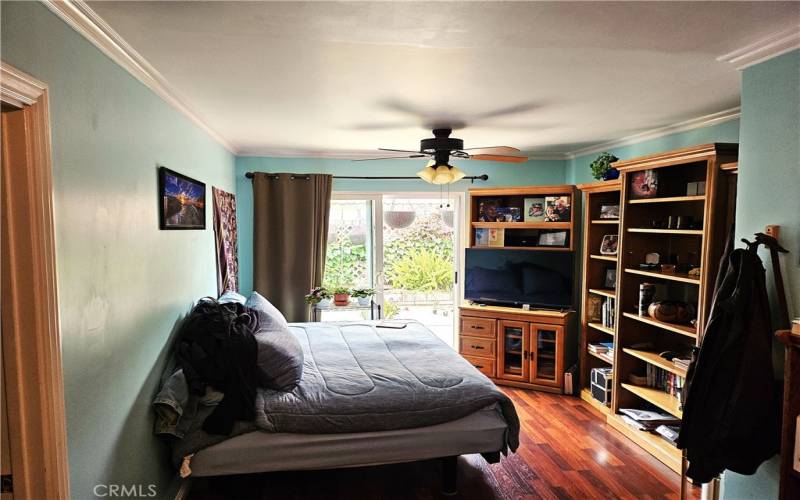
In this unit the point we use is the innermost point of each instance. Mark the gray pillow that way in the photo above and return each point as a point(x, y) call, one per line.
point(280, 359)
point(269, 316)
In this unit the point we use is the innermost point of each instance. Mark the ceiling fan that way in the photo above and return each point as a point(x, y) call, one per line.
point(441, 147)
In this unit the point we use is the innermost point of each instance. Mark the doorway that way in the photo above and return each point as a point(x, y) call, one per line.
point(407, 247)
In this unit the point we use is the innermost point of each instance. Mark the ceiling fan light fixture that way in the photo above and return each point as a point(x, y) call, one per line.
point(457, 174)
point(428, 173)
point(443, 175)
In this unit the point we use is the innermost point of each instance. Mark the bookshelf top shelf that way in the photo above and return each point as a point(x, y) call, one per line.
point(668, 199)
point(523, 225)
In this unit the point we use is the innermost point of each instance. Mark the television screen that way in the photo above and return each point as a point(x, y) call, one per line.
point(515, 277)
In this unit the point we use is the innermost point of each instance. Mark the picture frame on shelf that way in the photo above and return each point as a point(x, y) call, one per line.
point(609, 211)
point(489, 237)
point(557, 209)
point(608, 246)
point(508, 214)
point(553, 239)
point(610, 281)
point(488, 210)
point(594, 308)
point(644, 184)
point(534, 209)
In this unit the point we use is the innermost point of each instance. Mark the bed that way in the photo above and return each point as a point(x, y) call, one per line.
point(368, 396)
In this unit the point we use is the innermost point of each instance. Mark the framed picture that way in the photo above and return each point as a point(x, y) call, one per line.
point(489, 237)
point(611, 278)
point(553, 239)
point(488, 211)
point(510, 214)
point(534, 209)
point(644, 184)
point(557, 209)
point(609, 244)
point(594, 306)
point(609, 211)
point(182, 201)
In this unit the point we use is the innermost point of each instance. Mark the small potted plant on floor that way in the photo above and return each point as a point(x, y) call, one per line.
point(341, 296)
point(602, 169)
point(363, 295)
point(319, 296)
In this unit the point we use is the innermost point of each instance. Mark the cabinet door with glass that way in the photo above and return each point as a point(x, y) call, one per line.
point(545, 355)
point(513, 351)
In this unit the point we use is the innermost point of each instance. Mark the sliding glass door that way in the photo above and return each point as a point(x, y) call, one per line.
point(407, 247)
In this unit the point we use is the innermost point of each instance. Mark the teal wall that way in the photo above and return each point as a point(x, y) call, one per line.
point(578, 170)
point(122, 282)
point(500, 174)
point(769, 193)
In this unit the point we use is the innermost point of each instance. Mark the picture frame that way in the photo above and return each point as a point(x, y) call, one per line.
point(488, 210)
point(609, 211)
point(644, 184)
point(553, 239)
point(489, 237)
point(181, 201)
point(610, 281)
point(557, 209)
point(608, 246)
point(533, 209)
point(594, 306)
point(508, 214)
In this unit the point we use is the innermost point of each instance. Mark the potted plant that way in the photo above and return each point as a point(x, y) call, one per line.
point(602, 169)
point(341, 296)
point(319, 296)
point(363, 295)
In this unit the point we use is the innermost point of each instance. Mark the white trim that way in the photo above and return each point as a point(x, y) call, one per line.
point(764, 49)
point(78, 15)
point(694, 123)
point(352, 154)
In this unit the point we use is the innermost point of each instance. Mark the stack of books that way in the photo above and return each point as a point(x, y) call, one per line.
point(606, 348)
point(682, 363)
point(647, 420)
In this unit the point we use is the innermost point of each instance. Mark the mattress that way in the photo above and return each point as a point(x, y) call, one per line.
point(483, 431)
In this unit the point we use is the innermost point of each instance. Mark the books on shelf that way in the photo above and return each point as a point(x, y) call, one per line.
point(647, 420)
point(669, 433)
point(489, 237)
point(658, 378)
point(607, 313)
point(682, 363)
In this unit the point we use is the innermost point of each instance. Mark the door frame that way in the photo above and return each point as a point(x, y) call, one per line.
point(31, 332)
point(377, 198)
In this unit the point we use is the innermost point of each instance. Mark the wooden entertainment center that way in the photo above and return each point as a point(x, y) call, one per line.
point(512, 346)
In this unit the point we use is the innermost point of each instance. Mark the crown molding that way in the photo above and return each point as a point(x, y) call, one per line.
point(358, 154)
point(694, 123)
point(80, 17)
point(774, 45)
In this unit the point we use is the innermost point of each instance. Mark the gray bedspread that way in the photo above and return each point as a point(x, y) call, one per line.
point(360, 378)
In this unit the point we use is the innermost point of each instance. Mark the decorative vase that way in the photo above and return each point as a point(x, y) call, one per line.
point(324, 304)
point(363, 301)
point(611, 174)
point(341, 299)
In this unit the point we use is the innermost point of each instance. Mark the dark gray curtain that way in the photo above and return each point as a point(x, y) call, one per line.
point(290, 233)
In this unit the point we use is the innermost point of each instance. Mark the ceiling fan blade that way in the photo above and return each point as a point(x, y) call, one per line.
point(383, 126)
point(494, 150)
point(400, 150)
point(391, 157)
point(504, 158)
point(510, 110)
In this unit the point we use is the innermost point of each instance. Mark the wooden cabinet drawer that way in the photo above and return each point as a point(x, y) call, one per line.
point(478, 327)
point(484, 365)
point(476, 346)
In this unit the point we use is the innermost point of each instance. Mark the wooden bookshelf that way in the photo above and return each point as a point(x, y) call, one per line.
point(593, 279)
point(713, 212)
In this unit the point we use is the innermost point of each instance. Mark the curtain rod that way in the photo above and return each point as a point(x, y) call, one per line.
point(471, 178)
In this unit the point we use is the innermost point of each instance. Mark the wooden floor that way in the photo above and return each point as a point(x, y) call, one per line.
point(566, 451)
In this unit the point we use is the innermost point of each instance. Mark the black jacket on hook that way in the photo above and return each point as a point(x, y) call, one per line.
point(731, 412)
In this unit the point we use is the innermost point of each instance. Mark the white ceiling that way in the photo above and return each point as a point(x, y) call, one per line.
point(316, 78)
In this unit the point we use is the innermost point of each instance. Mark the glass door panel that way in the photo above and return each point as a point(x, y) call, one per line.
point(544, 353)
point(513, 350)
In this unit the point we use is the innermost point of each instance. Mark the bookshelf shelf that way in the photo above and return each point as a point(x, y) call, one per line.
point(608, 258)
point(586, 395)
point(523, 225)
point(603, 357)
point(614, 222)
point(655, 445)
point(666, 402)
point(603, 292)
point(669, 199)
point(683, 278)
point(655, 360)
point(672, 327)
point(646, 230)
point(600, 327)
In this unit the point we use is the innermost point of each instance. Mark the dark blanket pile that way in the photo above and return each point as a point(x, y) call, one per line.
point(217, 348)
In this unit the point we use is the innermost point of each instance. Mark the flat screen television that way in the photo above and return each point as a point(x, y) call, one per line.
point(541, 279)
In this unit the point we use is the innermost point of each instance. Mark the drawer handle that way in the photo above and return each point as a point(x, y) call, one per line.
point(474, 327)
point(478, 366)
point(476, 346)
